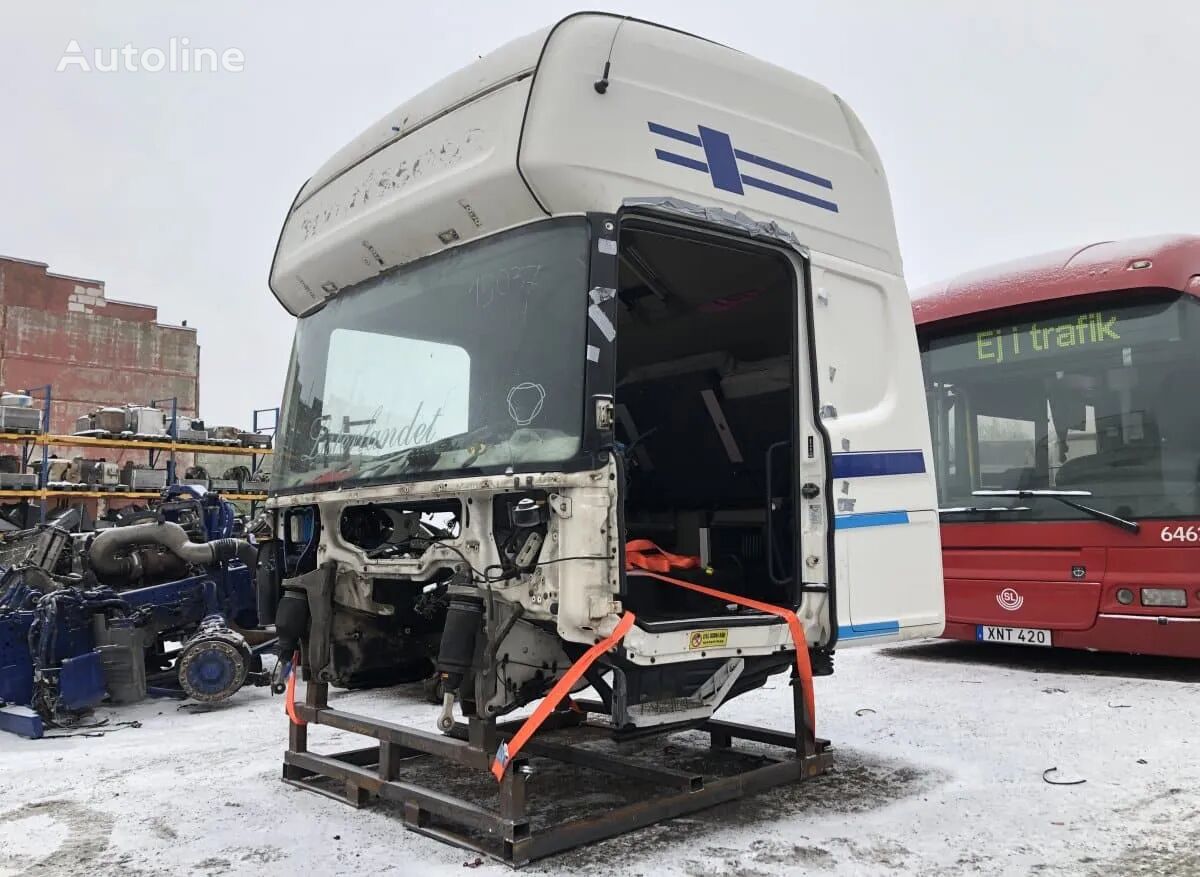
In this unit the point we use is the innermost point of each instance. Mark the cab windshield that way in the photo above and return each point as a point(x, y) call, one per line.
point(468, 361)
point(1100, 398)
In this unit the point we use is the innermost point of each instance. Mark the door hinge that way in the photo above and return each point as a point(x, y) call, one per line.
point(604, 412)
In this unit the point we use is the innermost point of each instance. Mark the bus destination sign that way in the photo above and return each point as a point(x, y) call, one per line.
point(1092, 332)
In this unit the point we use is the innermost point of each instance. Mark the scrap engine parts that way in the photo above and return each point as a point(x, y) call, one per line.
point(153, 550)
point(89, 616)
point(371, 629)
point(214, 663)
point(215, 659)
point(398, 599)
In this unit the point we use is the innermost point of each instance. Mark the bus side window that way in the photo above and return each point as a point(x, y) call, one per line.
point(943, 426)
point(963, 452)
point(952, 442)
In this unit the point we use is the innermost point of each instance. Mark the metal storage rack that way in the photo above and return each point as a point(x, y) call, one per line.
point(28, 442)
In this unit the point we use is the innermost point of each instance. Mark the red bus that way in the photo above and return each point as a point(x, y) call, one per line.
point(1064, 404)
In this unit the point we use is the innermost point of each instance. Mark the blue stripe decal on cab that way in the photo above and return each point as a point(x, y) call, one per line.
point(756, 183)
point(675, 158)
point(783, 168)
point(875, 628)
point(865, 464)
point(869, 519)
point(722, 164)
point(674, 133)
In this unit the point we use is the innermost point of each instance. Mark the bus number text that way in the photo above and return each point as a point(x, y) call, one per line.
point(1180, 534)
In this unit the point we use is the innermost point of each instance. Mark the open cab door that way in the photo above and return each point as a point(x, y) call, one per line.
point(703, 326)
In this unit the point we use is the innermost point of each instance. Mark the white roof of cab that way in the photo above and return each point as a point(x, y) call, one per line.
point(523, 133)
point(508, 63)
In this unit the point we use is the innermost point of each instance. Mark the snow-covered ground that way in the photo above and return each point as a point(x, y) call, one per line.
point(942, 776)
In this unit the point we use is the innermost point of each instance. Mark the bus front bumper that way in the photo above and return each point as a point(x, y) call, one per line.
point(1135, 634)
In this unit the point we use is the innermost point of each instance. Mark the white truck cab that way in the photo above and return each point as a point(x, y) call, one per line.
point(611, 282)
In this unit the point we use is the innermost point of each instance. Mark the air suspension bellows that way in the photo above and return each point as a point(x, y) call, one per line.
point(457, 652)
point(291, 621)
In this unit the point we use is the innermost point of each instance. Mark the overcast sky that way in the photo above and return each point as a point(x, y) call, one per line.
point(1006, 128)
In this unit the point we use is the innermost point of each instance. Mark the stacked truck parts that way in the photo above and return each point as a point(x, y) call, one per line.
point(147, 423)
point(237, 479)
point(18, 414)
point(128, 421)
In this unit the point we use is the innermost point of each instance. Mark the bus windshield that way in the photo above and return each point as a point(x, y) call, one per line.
point(470, 361)
point(1101, 398)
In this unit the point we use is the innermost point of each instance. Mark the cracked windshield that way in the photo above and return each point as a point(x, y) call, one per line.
point(471, 360)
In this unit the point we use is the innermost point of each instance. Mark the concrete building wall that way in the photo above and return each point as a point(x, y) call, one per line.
point(93, 351)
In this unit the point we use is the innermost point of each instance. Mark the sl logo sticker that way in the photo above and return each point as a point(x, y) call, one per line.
point(1009, 599)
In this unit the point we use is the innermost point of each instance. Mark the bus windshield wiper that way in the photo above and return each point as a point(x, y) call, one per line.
point(1065, 497)
point(982, 510)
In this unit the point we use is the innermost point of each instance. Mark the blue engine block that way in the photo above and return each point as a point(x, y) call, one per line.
point(53, 640)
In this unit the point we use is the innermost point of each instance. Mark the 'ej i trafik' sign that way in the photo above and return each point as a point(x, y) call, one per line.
point(1015, 341)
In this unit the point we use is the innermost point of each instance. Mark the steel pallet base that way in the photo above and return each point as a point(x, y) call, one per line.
point(506, 832)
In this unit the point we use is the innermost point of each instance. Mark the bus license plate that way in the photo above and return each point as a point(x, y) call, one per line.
point(1024, 636)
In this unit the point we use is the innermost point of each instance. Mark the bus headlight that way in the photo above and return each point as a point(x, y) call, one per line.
point(1164, 597)
point(1124, 596)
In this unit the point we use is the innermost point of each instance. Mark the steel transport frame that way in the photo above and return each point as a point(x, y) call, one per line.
point(506, 832)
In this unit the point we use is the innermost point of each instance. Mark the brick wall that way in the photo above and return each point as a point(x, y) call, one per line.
point(94, 351)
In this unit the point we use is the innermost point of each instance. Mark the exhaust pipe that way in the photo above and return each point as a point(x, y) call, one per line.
point(104, 560)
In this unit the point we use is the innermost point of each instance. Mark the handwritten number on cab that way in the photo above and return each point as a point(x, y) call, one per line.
point(520, 280)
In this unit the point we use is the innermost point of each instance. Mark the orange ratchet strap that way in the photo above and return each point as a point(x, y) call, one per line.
point(561, 689)
point(644, 554)
point(289, 701)
point(637, 557)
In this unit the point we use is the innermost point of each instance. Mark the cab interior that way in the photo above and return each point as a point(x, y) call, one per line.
point(705, 418)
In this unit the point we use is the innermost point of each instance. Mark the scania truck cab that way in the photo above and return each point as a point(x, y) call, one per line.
point(610, 290)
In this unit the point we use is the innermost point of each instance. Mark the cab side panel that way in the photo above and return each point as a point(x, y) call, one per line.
point(873, 406)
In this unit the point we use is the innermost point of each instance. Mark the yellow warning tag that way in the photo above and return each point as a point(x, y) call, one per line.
point(708, 639)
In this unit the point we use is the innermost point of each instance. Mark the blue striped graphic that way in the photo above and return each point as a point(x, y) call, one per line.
point(783, 168)
point(875, 628)
point(865, 464)
point(674, 134)
point(721, 165)
point(869, 519)
point(674, 158)
point(789, 193)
